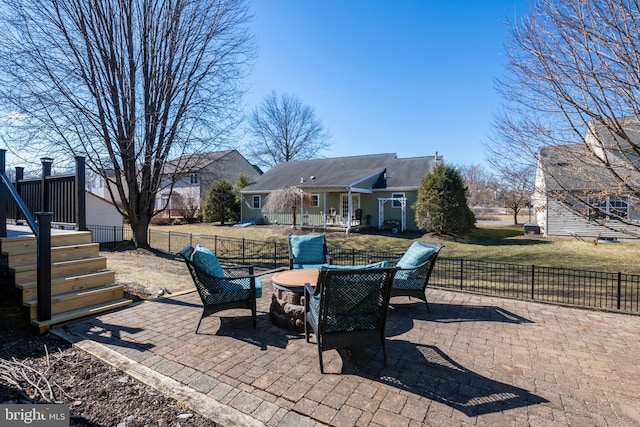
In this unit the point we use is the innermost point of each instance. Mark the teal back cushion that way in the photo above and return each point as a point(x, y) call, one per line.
point(206, 261)
point(307, 249)
point(415, 255)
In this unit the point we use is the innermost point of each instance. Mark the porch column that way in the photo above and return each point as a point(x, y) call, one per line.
point(326, 211)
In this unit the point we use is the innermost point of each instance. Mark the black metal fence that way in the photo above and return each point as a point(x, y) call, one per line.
point(601, 290)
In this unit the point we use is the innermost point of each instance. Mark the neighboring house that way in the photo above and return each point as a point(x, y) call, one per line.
point(576, 195)
point(189, 187)
point(104, 219)
point(345, 191)
point(99, 185)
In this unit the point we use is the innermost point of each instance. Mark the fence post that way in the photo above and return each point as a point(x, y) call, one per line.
point(243, 242)
point(3, 198)
point(44, 265)
point(461, 272)
point(19, 177)
point(353, 256)
point(533, 280)
point(46, 172)
point(215, 244)
point(619, 288)
point(169, 242)
point(275, 254)
point(81, 196)
point(190, 239)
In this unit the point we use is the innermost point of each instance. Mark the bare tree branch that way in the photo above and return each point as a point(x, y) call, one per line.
point(126, 84)
point(283, 130)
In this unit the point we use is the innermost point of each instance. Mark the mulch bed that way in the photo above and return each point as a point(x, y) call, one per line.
point(97, 394)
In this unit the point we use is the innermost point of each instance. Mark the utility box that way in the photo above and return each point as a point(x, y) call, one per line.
point(531, 228)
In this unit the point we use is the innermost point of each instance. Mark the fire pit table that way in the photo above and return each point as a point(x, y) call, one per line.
point(287, 303)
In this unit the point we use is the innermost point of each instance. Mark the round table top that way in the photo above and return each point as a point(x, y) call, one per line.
point(294, 280)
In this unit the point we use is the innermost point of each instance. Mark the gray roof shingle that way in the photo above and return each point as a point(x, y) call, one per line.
point(341, 172)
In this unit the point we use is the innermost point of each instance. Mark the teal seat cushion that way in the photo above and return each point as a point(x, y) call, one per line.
point(415, 255)
point(299, 266)
point(206, 261)
point(307, 249)
point(241, 287)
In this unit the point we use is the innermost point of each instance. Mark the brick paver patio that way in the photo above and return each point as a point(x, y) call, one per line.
point(474, 360)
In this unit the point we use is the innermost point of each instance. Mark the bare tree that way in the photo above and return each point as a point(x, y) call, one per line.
point(516, 190)
point(186, 206)
point(283, 130)
point(481, 185)
point(574, 80)
point(125, 83)
point(285, 200)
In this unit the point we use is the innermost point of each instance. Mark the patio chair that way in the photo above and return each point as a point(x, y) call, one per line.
point(221, 288)
point(308, 251)
point(414, 270)
point(348, 307)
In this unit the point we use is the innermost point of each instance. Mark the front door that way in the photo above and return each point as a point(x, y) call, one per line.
point(344, 206)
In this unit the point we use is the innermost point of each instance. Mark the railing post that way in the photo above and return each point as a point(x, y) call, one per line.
point(619, 288)
point(46, 172)
point(169, 242)
point(19, 178)
point(3, 198)
point(533, 280)
point(81, 196)
point(275, 254)
point(243, 249)
point(461, 272)
point(44, 265)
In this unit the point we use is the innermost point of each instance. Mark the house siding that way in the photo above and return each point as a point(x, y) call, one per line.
point(314, 217)
point(563, 221)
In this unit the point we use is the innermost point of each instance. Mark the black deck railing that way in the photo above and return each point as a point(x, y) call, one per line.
point(63, 195)
point(41, 230)
point(601, 290)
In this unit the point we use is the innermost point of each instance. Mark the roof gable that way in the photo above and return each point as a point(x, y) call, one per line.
point(196, 162)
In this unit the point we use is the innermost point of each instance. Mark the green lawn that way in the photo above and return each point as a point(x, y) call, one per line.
point(487, 243)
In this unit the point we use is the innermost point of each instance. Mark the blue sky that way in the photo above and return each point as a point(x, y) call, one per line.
point(410, 77)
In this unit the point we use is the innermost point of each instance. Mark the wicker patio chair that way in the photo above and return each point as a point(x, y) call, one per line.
point(308, 251)
point(414, 270)
point(347, 308)
point(221, 288)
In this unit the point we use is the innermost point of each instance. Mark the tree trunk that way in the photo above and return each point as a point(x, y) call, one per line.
point(515, 218)
point(140, 230)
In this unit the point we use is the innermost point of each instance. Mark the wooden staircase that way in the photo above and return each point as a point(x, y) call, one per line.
point(81, 285)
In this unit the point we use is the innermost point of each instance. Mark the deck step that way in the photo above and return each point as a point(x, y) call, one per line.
point(25, 256)
point(68, 316)
point(29, 273)
point(63, 285)
point(75, 300)
point(58, 238)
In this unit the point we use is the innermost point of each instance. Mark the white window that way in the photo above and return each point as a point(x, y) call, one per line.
point(608, 207)
point(193, 178)
point(315, 200)
point(256, 202)
point(396, 203)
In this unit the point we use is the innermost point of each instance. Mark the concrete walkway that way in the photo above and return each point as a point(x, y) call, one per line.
point(474, 360)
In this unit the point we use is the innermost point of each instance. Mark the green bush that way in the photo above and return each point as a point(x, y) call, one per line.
point(442, 202)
